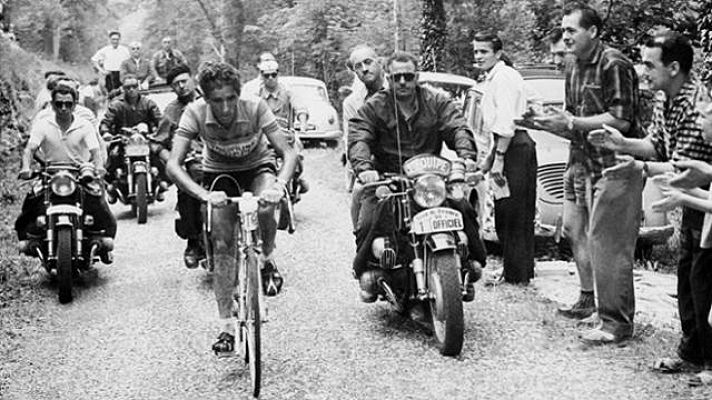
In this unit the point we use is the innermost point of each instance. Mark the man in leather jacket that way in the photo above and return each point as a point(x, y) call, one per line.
point(125, 111)
point(392, 126)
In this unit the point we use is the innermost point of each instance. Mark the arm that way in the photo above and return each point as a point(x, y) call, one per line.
point(154, 115)
point(361, 136)
point(612, 139)
point(187, 131)
point(454, 130)
point(284, 149)
point(27, 155)
point(107, 123)
point(98, 61)
point(124, 69)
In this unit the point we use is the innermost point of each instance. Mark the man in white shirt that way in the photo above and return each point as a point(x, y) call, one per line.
point(107, 61)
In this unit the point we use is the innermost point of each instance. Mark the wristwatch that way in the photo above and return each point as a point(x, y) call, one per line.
point(499, 153)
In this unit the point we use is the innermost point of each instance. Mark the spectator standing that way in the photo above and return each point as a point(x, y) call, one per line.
point(166, 58)
point(557, 48)
point(512, 161)
point(676, 134)
point(138, 66)
point(107, 61)
point(601, 214)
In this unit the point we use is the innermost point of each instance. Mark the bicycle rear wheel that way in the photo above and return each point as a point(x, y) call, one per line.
point(252, 325)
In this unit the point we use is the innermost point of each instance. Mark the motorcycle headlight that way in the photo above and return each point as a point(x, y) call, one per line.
point(429, 191)
point(63, 185)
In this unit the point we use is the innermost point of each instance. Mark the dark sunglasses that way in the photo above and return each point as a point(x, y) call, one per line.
point(63, 104)
point(407, 76)
point(270, 75)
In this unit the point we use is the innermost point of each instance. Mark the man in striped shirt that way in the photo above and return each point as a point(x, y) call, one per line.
point(675, 135)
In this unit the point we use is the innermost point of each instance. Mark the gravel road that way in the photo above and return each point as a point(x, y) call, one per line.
point(142, 329)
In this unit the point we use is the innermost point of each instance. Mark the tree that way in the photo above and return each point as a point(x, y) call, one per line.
point(433, 35)
point(704, 29)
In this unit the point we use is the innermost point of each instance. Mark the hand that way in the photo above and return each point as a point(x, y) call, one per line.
point(625, 167)
point(217, 199)
point(554, 120)
point(694, 173)
point(486, 164)
point(142, 127)
point(497, 171)
point(609, 138)
point(673, 199)
point(274, 193)
point(100, 172)
point(368, 176)
point(470, 165)
point(25, 175)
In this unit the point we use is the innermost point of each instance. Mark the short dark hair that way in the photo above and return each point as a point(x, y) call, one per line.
point(555, 35)
point(402, 56)
point(49, 73)
point(589, 16)
point(215, 74)
point(114, 32)
point(175, 71)
point(488, 36)
point(62, 88)
point(675, 47)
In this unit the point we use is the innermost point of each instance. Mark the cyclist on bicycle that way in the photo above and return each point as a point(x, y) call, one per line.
point(236, 135)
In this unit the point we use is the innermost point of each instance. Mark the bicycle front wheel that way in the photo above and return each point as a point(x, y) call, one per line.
point(252, 325)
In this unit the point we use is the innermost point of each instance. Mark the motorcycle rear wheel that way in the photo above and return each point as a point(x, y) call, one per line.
point(64, 263)
point(141, 198)
point(446, 304)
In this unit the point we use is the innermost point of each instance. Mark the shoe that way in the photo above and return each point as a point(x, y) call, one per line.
point(589, 322)
point(584, 307)
point(110, 194)
point(271, 279)
point(675, 365)
point(417, 314)
point(106, 245)
point(598, 336)
point(225, 345)
point(303, 185)
point(471, 273)
point(370, 288)
point(193, 254)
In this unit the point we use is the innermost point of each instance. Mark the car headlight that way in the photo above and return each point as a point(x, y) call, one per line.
point(429, 191)
point(63, 184)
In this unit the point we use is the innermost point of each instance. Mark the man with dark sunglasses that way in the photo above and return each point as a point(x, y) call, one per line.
point(64, 137)
point(391, 127)
point(126, 111)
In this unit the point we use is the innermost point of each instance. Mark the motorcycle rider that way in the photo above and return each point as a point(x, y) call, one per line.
point(236, 134)
point(392, 126)
point(126, 111)
point(189, 225)
point(283, 105)
point(64, 138)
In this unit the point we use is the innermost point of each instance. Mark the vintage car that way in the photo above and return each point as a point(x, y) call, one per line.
point(455, 85)
point(160, 94)
point(546, 88)
point(310, 93)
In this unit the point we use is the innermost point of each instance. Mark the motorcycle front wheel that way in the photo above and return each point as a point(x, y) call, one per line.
point(446, 302)
point(141, 198)
point(64, 263)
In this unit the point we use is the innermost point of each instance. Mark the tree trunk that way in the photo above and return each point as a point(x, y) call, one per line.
point(433, 33)
point(56, 39)
point(233, 26)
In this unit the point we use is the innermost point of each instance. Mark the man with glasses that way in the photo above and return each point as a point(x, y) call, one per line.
point(166, 58)
point(391, 127)
point(107, 61)
point(138, 66)
point(127, 111)
point(365, 64)
point(64, 138)
point(189, 224)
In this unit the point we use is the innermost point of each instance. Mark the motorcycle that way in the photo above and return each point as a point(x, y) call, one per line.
point(421, 260)
point(67, 243)
point(136, 184)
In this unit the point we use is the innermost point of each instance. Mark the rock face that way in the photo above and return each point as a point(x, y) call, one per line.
point(655, 293)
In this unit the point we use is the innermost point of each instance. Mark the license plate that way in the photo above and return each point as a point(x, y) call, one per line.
point(137, 150)
point(434, 220)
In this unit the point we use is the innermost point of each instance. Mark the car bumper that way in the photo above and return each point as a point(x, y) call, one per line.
point(320, 135)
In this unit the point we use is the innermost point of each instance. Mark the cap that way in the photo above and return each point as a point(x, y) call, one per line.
point(268, 66)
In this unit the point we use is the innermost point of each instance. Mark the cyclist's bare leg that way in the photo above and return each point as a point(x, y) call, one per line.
point(225, 273)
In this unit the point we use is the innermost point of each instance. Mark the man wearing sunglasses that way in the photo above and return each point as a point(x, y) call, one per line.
point(62, 137)
point(391, 127)
point(126, 111)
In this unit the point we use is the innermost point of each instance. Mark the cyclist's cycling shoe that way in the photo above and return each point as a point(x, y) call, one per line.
point(271, 279)
point(225, 345)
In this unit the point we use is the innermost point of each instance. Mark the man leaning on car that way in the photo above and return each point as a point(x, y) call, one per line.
point(601, 214)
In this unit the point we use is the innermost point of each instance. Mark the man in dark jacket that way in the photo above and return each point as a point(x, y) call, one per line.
point(391, 127)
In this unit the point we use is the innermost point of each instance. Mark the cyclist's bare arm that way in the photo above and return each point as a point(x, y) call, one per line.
point(286, 151)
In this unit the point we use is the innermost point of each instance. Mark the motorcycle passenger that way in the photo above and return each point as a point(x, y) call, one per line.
point(236, 134)
point(284, 107)
point(391, 127)
point(189, 225)
point(126, 111)
point(64, 138)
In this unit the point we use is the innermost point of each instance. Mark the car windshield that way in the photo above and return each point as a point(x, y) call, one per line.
point(456, 90)
point(548, 91)
point(309, 92)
